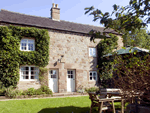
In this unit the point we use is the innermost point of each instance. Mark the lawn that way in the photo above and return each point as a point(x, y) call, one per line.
point(51, 105)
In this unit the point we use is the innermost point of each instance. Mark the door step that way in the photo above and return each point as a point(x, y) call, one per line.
point(68, 94)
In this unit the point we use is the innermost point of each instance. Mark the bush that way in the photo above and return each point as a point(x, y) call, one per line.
point(31, 91)
point(46, 89)
point(11, 92)
point(2, 91)
point(38, 91)
point(25, 92)
point(91, 89)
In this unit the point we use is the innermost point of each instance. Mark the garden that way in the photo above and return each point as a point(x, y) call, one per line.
point(11, 92)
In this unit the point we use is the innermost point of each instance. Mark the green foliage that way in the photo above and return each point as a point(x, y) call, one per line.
point(46, 89)
point(25, 92)
point(137, 38)
point(11, 57)
point(2, 91)
point(31, 91)
point(131, 73)
point(128, 15)
point(38, 92)
point(11, 92)
point(91, 89)
point(104, 63)
point(42, 72)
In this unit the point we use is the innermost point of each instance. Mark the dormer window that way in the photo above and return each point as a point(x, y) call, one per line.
point(27, 45)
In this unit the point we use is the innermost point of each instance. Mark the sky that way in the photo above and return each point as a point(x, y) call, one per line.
point(70, 10)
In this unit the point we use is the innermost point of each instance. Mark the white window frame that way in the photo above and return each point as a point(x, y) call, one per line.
point(91, 50)
point(27, 44)
point(29, 73)
point(93, 76)
point(53, 74)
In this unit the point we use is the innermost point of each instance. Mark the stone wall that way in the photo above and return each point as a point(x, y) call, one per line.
point(75, 49)
point(24, 85)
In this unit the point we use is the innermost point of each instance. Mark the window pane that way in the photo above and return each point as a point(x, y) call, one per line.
point(35, 77)
point(51, 72)
point(23, 41)
point(54, 76)
point(32, 68)
point(31, 41)
point(68, 72)
point(71, 72)
point(68, 76)
point(27, 77)
point(23, 68)
point(90, 73)
point(54, 71)
point(71, 76)
point(27, 43)
point(32, 77)
point(26, 72)
point(27, 68)
point(90, 78)
point(92, 51)
point(30, 46)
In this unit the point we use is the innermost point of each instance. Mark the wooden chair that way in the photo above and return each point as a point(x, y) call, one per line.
point(103, 101)
point(102, 104)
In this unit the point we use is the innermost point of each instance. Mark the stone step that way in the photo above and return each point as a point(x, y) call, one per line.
point(68, 94)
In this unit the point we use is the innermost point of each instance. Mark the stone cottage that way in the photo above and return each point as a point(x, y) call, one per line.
point(73, 57)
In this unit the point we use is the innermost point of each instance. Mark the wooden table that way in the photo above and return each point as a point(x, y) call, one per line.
point(98, 102)
point(117, 97)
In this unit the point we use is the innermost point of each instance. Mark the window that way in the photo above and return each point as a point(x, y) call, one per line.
point(29, 73)
point(93, 75)
point(27, 45)
point(92, 52)
point(53, 73)
point(70, 74)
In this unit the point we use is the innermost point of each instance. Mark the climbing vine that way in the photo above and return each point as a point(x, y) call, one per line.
point(11, 57)
point(105, 63)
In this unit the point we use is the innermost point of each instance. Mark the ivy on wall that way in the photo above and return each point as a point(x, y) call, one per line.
point(105, 64)
point(11, 57)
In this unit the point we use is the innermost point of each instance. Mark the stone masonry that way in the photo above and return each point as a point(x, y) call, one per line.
point(75, 48)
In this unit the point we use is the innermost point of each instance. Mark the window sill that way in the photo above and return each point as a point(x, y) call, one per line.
point(92, 80)
point(30, 80)
point(27, 50)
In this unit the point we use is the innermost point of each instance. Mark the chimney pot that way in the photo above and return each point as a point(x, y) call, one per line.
point(53, 5)
point(55, 12)
point(56, 5)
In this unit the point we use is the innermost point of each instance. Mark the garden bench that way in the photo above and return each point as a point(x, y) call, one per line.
point(103, 101)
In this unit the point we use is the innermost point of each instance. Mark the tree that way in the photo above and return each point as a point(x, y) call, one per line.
point(128, 15)
point(137, 38)
point(132, 71)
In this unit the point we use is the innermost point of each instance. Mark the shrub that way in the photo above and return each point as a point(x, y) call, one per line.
point(2, 91)
point(38, 91)
point(46, 89)
point(11, 92)
point(31, 91)
point(25, 92)
point(91, 89)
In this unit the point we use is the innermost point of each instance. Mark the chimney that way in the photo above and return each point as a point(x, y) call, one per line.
point(55, 12)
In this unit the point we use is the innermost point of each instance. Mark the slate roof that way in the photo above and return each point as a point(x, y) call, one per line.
point(48, 23)
point(129, 50)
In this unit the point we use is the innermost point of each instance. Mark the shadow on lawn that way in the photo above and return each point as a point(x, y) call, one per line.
point(67, 109)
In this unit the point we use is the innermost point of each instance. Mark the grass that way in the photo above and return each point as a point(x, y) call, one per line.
point(51, 105)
